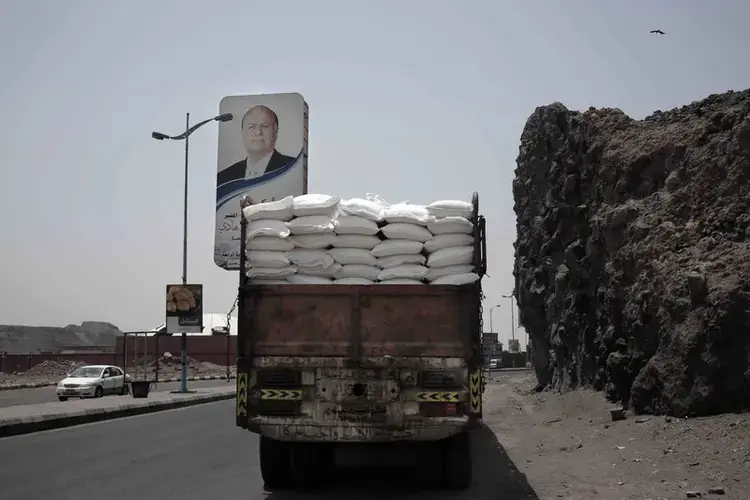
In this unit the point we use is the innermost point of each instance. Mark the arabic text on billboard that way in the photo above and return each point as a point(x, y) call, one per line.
point(262, 154)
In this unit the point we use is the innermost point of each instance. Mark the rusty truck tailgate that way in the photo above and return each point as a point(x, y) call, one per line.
point(358, 321)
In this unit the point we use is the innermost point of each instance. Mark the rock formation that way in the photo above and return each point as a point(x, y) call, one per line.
point(632, 259)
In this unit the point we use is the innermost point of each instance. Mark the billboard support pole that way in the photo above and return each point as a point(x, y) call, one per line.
point(183, 340)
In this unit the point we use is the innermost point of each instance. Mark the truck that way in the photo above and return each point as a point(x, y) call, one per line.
point(326, 368)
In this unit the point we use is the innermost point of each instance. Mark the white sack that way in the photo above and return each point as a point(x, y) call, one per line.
point(270, 272)
point(367, 209)
point(408, 271)
point(396, 247)
point(401, 281)
point(353, 281)
point(307, 258)
point(451, 208)
point(312, 241)
point(405, 212)
point(456, 279)
point(266, 258)
point(300, 279)
point(400, 260)
point(452, 256)
point(447, 241)
point(315, 204)
point(311, 224)
point(354, 224)
point(268, 281)
point(325, 272)
point(267, 227)
point(355, 241)
point(353, 256)
point(406, 231)
point(450, 225)
point(358, 271)
point(437, 272)
point(273, 210)
point(272, 243)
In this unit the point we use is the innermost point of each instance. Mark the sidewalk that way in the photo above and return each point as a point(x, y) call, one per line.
point(39, 417)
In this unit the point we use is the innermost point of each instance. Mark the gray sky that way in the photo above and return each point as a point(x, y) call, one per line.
point(417, 100)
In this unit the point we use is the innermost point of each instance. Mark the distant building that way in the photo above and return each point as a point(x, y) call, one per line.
point(491, 346)
point(212, 324)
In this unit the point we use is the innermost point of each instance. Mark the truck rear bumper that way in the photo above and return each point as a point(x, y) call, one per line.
point(298, 429)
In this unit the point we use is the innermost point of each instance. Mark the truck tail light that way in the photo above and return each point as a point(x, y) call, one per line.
point(441, 409)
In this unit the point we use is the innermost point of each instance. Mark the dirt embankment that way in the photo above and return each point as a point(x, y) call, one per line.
point(567, 447)
point(632, 260)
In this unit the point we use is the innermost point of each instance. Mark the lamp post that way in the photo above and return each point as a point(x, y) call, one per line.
point(512, 323)
point(492, 309)
point(184, 137)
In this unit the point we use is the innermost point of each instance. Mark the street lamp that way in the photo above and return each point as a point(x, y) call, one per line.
point(184, 137)
point(512, 324)
point(492, 309)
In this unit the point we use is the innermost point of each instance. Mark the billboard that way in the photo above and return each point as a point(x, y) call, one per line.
point(262, 154)
point(514, 345)
point(184, 308)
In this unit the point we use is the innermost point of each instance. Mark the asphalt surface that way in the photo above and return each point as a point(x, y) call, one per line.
point(48, 395)
point(198, 453)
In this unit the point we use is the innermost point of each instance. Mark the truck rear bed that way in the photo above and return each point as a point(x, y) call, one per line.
point(359, 321)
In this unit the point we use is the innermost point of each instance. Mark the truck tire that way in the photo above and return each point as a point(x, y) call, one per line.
point(429, 467)
point(275, 464)
point(457, 461)
point(312, 464)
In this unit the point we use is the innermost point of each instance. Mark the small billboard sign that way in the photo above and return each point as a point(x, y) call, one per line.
point(184, 308)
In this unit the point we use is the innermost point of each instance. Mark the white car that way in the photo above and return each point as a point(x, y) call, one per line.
point(93, 381)
point(494, 364)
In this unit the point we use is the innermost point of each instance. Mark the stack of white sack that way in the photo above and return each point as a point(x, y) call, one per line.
point(320, 239)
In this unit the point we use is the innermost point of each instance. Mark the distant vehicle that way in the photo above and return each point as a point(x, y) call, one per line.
point(93, 381)
point(494, 364)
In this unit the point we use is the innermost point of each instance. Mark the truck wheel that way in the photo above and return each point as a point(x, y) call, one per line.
point(275, 464)
point(429, 468)
point(312, 463)
point(457, 461)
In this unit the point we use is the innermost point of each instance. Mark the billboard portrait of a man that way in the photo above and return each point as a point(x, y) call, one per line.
point(260, 131)
point(261, 157)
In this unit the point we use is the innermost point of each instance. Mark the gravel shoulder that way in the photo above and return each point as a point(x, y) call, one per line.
point(568, 447)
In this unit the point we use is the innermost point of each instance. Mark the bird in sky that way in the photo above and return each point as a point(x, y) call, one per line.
point(657, 32)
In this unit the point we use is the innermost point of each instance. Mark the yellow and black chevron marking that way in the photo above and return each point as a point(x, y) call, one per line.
point(281, 394)
point(475, 391)
point(242, 394)
point(437, 397)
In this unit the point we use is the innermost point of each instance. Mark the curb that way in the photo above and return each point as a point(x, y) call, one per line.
point(17, 387)
point(30, 425)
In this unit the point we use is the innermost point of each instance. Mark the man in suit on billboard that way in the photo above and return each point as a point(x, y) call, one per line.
point(260, 129)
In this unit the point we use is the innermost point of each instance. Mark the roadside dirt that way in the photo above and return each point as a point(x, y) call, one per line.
point(568, 447)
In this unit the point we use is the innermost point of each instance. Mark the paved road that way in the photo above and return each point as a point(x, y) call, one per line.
point(47, 394)
point(198, 453)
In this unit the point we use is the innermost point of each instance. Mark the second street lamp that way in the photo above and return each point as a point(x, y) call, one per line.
point(184, 137)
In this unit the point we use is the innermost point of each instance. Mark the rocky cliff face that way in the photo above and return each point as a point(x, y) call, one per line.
point(632, 261)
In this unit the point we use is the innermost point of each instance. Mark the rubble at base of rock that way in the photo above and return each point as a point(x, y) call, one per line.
point(632, 259)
